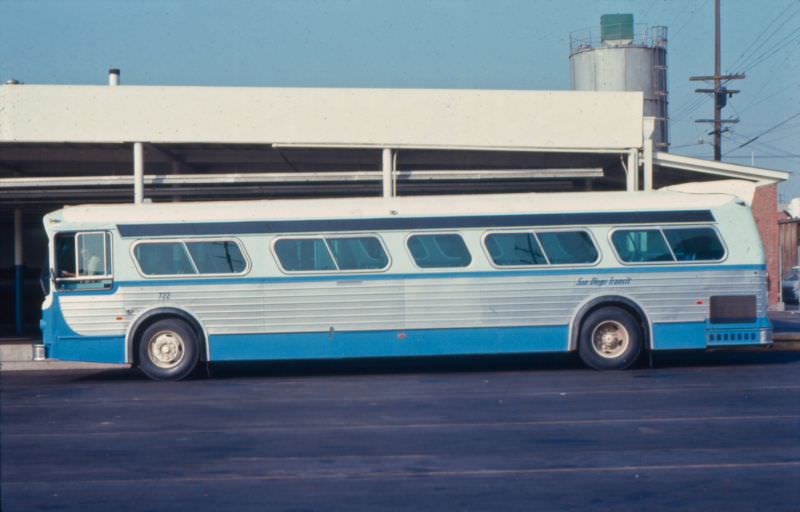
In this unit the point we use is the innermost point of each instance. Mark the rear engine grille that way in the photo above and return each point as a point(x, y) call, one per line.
point(732, 309)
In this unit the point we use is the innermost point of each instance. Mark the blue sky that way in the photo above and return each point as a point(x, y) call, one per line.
point(503, 44)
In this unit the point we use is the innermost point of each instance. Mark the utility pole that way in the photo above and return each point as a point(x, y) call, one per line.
point(720, 92)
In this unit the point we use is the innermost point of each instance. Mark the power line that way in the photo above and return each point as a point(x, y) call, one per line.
point(760, 59)
point(753, 139)
point(771, 129)
point(762, 100)
point(742, 57)
point(763, 157)
point(688, 18)
point(672, 147)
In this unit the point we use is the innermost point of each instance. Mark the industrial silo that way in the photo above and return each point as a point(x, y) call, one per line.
point(624, 57)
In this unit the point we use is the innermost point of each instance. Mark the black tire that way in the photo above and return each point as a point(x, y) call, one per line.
point(168, 349)
point(610, 339)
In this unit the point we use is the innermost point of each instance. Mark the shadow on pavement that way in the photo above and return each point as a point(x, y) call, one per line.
point(404, 365)
point(455, 364)
point(732, 357)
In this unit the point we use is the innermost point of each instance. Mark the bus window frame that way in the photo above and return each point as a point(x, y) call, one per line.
point(534, 231)
point(323, 236)
point(660, 228)
point(437, 269)
point(183, 241)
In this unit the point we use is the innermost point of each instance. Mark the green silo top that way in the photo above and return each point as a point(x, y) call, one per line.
point(616, 26)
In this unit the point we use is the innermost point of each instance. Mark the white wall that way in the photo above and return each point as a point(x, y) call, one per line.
point(571, 120)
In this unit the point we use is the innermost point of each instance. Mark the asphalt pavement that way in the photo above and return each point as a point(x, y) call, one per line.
point(700, 431)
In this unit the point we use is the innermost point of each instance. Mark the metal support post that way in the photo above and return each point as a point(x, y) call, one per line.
point(138, 173)
point(649, 155)
point(388, 173)
point(717, 83)
point(632, 178)
point(18, 270)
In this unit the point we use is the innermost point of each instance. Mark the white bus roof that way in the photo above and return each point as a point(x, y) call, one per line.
point(361, 207)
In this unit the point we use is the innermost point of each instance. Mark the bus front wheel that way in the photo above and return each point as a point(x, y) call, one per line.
point(168, 350)
point(610, 339)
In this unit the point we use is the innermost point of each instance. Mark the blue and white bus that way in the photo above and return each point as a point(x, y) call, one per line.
point(165, 286)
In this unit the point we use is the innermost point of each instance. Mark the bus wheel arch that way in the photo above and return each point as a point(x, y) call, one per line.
point(619, 319)
point(179, 331)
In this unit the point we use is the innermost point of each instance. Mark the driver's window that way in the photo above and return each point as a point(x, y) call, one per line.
point(83, 260)
point(65, 255)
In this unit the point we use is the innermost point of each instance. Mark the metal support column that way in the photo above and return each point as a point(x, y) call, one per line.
point(388, 173)
point(18, 270)
point(138, 173)
point(649, 154)
point(176, 170)
point(632, 178)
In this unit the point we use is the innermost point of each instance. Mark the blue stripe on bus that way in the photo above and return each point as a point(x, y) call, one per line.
point(586, 271)
point(93, 349)
point(679, 335)
point(416, 342)
point(395, 223)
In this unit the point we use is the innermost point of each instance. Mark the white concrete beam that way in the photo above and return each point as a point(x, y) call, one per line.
point(298, 177)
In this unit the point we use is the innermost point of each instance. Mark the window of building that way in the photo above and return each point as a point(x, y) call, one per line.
point(695, 244)
point(514, 249)
point(641, 245)
point(568, 247)
point(439, 251)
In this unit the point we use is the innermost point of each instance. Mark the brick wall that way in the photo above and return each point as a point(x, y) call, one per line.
point(765, 212)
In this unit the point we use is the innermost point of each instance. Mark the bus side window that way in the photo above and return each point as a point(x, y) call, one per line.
point(358, 253)
point(641, 246)
point(163, 259)
point(217, 257)
point(439, 251)
point(303, 255)
point(568, 247)
point(514, 249)
point(695, 244)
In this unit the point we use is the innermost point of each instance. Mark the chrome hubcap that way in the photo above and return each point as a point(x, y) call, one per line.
point(610, 339)
point(166, 349)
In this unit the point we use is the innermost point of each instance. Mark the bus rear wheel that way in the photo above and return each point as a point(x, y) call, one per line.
point(168, 350)
point(610, 339)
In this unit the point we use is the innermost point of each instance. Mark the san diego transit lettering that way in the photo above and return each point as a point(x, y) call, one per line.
point(611, 281)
